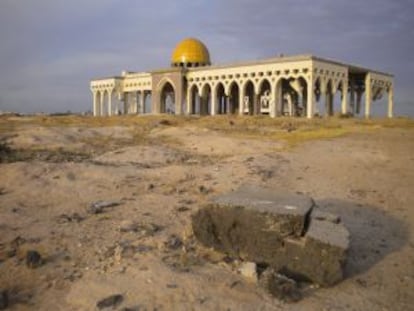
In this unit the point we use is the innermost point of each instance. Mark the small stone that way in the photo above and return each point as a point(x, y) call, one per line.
point(64, 218)
point(174, 242)
point(33, 259)
point(165, 122)
point(110, 301)
point(141, 248)
point(183, 209)
point(203, 189)
point(150, 187)
point(279, 286)
point(248, 270)
point(4, 299)
point(99, 206)
point(128, 226)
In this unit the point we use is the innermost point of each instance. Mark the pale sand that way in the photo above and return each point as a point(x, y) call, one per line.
point(367, 178)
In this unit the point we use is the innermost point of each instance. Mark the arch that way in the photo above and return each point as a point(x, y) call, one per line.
point(104, 103)
point(330, 86)
point(301, 104)
point(329, 98)
point(317, 92)
point(205, 101)
point(287, 90)
point(194, 99)
point(167, 98)
point(148, 102)
point(234, 97)
point(220, 96)
point(248, 91)
point(339, 95)
point(265, 93)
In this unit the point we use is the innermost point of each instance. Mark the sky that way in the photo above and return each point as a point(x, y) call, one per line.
point(51, 49)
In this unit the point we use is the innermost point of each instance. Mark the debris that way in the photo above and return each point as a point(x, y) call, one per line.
point(141, 248)
point(173, 242)
point(128, 226)
point(280, 286)
point(164, 122)
point(248, 270)
point(147, 229)
point(122, 251)
point(183, 209)
point(111, 301)
point(33, 259)
point(276, 229)
point(234, 284)
point(64, 218)
point(99, 206)
point(203, 189)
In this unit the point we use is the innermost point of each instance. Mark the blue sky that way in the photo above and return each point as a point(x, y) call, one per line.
point(50, 49)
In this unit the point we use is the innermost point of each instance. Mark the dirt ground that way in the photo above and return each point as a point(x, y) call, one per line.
point(157, 172)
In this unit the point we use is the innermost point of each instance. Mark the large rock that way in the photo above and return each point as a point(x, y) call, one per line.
point(276, 229)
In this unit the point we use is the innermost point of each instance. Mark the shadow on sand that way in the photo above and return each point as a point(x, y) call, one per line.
point(374, 233)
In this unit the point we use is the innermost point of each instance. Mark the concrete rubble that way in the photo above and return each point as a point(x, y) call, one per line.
point(285, 232)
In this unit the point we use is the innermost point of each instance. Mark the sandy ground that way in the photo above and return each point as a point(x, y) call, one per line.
point(366, 177)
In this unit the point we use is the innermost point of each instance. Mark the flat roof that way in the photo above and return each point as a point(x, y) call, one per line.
point(354, 69)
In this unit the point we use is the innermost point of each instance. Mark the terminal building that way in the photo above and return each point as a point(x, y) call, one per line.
point(300, 86)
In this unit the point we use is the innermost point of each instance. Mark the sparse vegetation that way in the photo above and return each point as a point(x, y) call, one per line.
point(292, 131)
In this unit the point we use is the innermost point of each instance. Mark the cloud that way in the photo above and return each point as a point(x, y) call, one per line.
point(51, 48)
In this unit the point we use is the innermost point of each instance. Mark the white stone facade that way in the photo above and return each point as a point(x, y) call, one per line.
point(278, 86)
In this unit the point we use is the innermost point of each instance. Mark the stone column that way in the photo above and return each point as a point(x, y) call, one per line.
point(241, 102)
point(368, 95)
point(101, 104)
point(135, 102)
point(344, 103)
point(272, 103)
point(142, 102)
point(213, 111)
point(126, 103)
point(391, 101)
point(352, 95)
point(279, 98)
point(95, 103)
point(109, 92)
point(310, 103)
point(188, 103)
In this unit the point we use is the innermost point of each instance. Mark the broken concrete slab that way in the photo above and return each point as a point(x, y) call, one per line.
point(290, 209)
point(276, 229)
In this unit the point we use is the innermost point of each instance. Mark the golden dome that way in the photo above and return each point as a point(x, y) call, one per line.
point(190, 53)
